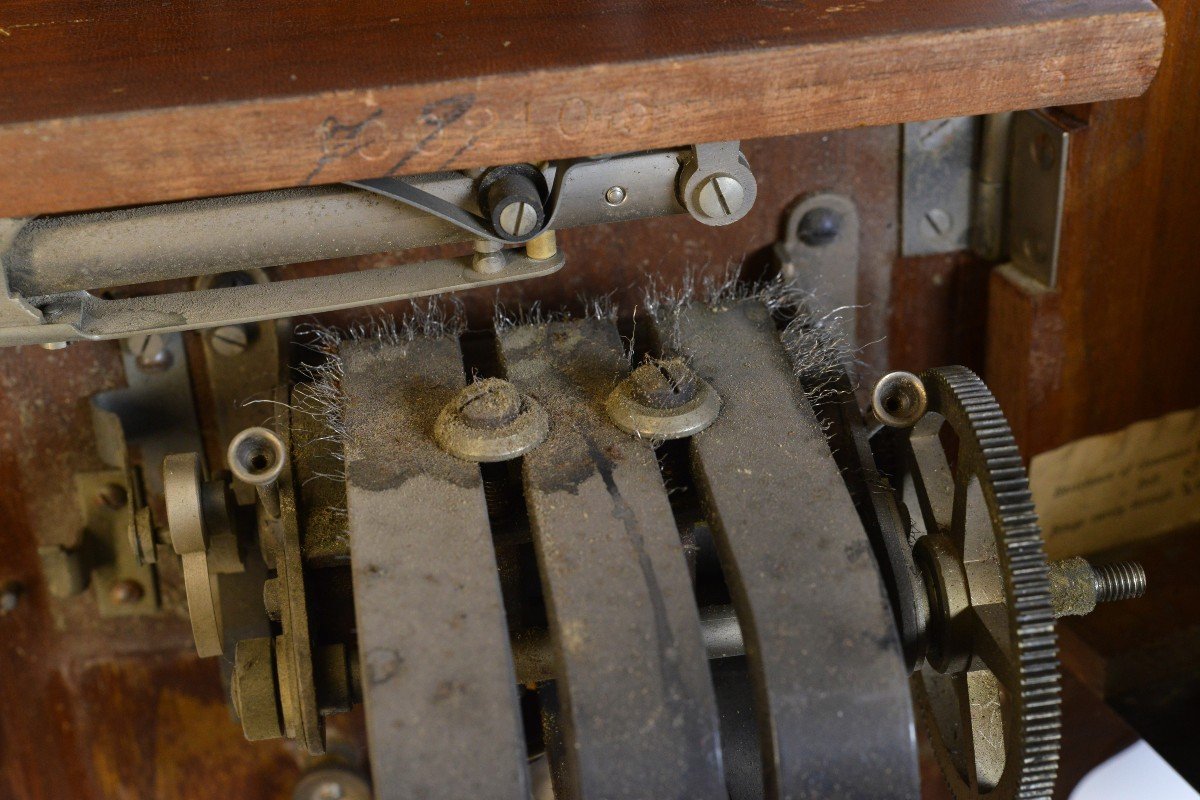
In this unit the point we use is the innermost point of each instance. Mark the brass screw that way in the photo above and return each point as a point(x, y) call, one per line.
point(126, 592)
point(10, 597)
point(113, 496)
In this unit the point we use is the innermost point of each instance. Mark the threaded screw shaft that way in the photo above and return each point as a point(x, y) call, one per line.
point(1124, 580)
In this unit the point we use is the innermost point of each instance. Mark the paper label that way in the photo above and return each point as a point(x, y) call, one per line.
point(1107, 490)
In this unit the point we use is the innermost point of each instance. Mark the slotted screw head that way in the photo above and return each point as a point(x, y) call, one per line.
point(229, 340)
point(819, 227)
point(150, 352)
point(720, 196)
point(518, 219)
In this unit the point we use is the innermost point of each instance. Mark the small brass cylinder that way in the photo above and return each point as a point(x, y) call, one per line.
point(542, 246)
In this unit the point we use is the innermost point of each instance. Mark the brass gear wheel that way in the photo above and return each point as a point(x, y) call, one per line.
point(988, 687)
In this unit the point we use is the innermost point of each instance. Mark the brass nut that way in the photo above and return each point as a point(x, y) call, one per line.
point(490, 421)
point(663, 399)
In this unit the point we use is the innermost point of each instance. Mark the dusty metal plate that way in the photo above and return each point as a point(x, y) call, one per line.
point(937, 184)
point(819, 255)
point(438, 682)
point(123, 587)
point(638, 714)
point(816, 621)
point(1038, 176)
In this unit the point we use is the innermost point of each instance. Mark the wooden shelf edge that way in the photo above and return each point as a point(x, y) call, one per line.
point(181, 152)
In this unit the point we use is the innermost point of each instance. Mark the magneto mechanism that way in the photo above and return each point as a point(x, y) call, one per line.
point(653, 566)
point(666, 556)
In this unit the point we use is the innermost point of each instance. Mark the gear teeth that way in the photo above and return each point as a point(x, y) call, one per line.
point(983, 431)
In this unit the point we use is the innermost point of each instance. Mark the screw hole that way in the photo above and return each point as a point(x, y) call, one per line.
point(256, 455)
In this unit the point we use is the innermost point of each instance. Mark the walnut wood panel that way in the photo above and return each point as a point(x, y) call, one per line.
point(1118, 341)
point(938, 312)
point(128, 102)
point(1128, 284)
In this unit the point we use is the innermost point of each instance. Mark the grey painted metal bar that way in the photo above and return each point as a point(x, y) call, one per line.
point(438, 684)
point(77, 252)
point(638, 715)
point(831, 692)
point(222, 234)
point(81, 315)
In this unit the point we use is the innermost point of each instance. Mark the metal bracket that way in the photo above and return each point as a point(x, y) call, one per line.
point(123, 586)
point(241, 363)
point(1037, 184)
point(716, 184)
point(155, 415)
point(989, 237)
point(52, 266)
point(937, 184)
point(819, 253)
point(81, 315)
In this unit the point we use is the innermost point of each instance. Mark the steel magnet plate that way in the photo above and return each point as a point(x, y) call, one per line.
point(830, 688)
point(438, 682)
point(637, 714)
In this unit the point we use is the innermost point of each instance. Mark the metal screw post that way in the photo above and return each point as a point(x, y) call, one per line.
point(490, 420)
point(330, 791)
point(10, 597)
point(663, 384)
point(518, 219)
point(126, 592)
point(898, 401)
point(332, 783)
point(819, 227)
point(542, 246)
point(663, 399)
point(150, 352)
point(1077, 586)
point(113, 496)
point(489, 257)
point(936, 223)
point(495, 406)
point(1124, 580)
point(720, 196)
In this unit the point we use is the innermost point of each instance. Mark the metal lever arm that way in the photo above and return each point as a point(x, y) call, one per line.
point(81, 315)
point(50, 267)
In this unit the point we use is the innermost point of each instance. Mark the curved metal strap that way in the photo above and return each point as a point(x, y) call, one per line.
point(831, 692)
point(637, 711)
point(404, 192)
point(480, 228)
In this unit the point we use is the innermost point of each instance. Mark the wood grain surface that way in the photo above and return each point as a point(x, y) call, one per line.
point(1118, 339)
point(127, 102)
